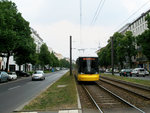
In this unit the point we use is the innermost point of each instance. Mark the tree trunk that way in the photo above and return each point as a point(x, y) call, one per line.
point(25, 67)
point(7, 63)
point(19, 67)
point(121, 63)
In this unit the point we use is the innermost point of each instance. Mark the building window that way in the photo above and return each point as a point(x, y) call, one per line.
point(12, 68)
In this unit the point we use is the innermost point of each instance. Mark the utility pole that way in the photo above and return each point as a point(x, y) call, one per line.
point(70, 55)
point(112, 54)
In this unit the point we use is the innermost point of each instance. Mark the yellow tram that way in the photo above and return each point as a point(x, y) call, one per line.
point(87, 69)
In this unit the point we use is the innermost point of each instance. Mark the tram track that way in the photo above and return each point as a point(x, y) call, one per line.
point(142, 93)
point(106, 100)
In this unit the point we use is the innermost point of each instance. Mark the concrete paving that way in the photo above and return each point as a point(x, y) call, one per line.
point(60, 111)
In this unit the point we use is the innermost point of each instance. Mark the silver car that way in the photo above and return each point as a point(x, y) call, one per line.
point(38, 75)
point(3, 76)
point(139, 72)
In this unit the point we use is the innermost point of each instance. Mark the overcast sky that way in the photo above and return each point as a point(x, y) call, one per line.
point(56, 20)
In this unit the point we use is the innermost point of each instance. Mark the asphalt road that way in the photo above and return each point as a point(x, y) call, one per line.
point(15, 94)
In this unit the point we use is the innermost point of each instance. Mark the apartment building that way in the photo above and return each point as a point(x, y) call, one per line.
point(138, 26)
point(37, 40)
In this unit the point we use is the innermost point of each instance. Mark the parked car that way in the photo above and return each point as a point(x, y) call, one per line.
point(38, 75)
point(3, 76)
point(126, 72)
point(22, 74)
point(139, 72)
point(116, 71)
point(107, 71)
point(101, 70)
point(12, 75)
point(146, 72)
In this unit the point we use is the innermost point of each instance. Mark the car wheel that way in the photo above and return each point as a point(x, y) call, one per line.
point(137, 75)
point(143, 75)
point(130, 75)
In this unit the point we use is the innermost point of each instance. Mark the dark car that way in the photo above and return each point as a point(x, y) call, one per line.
point(126, 72)
point(22, 74)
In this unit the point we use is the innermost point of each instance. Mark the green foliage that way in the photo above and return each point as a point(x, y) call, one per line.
point(123, 47)
point(8, 34)
point(44, 55)
point(26, 53)
point(120, 48)
point(47, 58)
point(55, 61)
point(105, 56)
point(64, 63)
point(129, 45)
point(15, 34)
point(144, 39)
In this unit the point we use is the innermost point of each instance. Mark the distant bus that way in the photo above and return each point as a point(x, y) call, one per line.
point(87, 69)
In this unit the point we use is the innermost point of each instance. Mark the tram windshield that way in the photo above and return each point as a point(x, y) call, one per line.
point(88, 65)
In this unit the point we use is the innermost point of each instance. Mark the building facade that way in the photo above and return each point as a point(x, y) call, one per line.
point(137, 27)
point(37, 40)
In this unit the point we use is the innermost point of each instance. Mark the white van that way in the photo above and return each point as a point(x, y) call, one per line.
point(139, 72)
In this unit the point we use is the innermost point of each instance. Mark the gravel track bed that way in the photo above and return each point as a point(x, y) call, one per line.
point(130, 97)
point(84, 99)
point(131, 88)
point(103, 98)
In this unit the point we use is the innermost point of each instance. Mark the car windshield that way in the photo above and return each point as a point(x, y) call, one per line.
point(128, 69)
point(141, 69)
point(38, 72)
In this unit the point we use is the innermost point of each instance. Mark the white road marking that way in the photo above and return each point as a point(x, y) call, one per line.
point(14, 87)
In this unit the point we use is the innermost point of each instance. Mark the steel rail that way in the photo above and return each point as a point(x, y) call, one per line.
point(145, 97)
point(128, 103)
point(128, 83)
point(92, 99)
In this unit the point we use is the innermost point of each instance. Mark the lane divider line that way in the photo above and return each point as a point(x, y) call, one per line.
point(14, 87)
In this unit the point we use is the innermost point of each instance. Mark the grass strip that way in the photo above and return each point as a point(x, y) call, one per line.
point(132, 80)
point(61, 95)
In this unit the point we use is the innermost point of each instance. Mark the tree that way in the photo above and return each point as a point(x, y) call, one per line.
point(55, 61)
point(13, 29)
point(144, 39)
point(26, 52)
point(105, 56)
point(119, 48)
point(44, 56)
point(64, 63)
point(129, 46)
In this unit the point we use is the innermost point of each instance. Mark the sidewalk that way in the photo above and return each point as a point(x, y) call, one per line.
point(60, 111)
